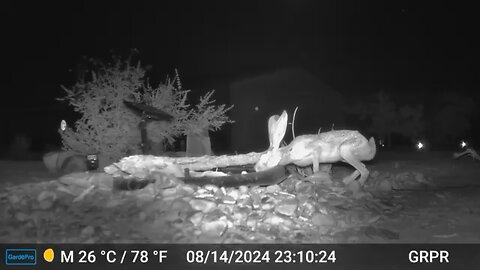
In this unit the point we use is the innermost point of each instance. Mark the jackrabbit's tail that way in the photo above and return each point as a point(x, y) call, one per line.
point(373, 149)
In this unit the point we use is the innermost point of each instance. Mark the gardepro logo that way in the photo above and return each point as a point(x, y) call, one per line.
point(20, 256)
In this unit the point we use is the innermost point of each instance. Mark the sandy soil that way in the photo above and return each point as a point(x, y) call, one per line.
point(448, 211)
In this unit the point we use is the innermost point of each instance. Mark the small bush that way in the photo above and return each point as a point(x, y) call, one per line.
point(384, 118)
point(108, 127)
point(453, 118)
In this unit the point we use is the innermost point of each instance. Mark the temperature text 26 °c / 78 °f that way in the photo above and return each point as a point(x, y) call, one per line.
point(112, 256)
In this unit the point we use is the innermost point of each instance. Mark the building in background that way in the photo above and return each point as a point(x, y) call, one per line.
point(257, 98)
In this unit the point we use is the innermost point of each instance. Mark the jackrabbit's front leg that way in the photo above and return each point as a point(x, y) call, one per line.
point(315, 162)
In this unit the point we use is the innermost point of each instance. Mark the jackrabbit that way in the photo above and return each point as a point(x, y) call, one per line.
point(347, 146)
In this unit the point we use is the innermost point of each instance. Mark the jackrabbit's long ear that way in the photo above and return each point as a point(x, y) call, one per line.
point(277, 126)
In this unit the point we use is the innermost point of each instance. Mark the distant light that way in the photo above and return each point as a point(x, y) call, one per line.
point(419, 145)
point(463, 144)
point(63, 125)
point(256, 108)
point(381, 143)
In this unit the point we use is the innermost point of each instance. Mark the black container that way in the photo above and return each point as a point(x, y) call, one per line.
point(92, 162)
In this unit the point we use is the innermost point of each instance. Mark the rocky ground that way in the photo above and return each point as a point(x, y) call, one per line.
point(407, 199)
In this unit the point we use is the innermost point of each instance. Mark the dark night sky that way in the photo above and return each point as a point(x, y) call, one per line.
point(354, 46)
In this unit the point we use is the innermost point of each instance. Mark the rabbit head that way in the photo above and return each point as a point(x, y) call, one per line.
point(277, 126)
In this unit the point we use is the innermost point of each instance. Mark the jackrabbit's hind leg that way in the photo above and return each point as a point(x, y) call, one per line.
point(359, 166)
point(349, 179)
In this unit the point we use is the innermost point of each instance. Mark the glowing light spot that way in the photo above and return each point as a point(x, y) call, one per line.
point(420, 145)
point(256, 108)
point(381, 143)
point(63, 125)
point(463, 144)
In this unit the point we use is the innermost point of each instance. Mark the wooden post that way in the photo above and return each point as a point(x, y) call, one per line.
point(198, 143)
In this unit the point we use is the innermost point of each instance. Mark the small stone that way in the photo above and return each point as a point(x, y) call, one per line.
point(187, 199)
point(20, 216)
point(113, 202)
point(180, 205)
point(196, 218)
point(240, 216)
point(187, 189)
point(229, 200)
point(87, 231)
point(242, 209)
point(169, 192)
point(307, 209)
point(243, 189)
point(354, 187)
point(204, 196)
point(13, 199)
point(353, 239)
point(234, 193)
point(402, 176)
point(214, 228)
point(273, 189)
point(289, 184)
point(91, 240)
point(45, 205)
point(287, 207)
point(228, 209)
point(322, 220)
point(45, 195)
point(219, 194)
point(203, 205)
point(107, 232)
point(252, 224)
point(267, 206)
point(171, 216)
point(304, 187)
point(385, 186)
point(258, 189)
point(142, 216)
point(420, 178)
point(211, 188)
point(320, 178)
point(256, 200)
point(202, 191)
point(273, 219)
point(374, 174)
point(213, 215)
point(46, 199)
point(245, 201)
point(244, 196)
point(268, 199)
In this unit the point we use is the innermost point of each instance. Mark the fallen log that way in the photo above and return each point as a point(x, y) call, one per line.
point(143, 166)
